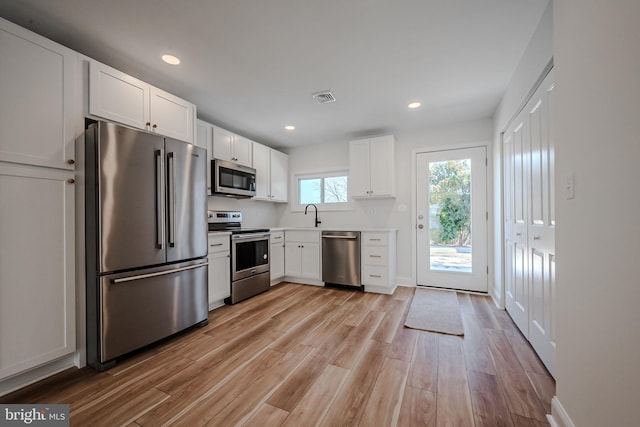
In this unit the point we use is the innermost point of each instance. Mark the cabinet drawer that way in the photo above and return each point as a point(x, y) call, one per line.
point(378, 239)
point(218, 243)
point(302, 236)
point(375, 275)
point(277, 237)
point(375, 255)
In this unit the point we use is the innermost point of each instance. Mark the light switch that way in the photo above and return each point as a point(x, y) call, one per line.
point(569, 186)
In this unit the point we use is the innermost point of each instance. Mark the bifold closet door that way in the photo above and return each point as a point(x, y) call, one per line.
point(529, 214)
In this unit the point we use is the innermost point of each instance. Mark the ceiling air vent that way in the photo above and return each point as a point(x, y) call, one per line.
point(324, 97)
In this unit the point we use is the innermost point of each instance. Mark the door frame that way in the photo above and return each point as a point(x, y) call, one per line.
point(488, 145)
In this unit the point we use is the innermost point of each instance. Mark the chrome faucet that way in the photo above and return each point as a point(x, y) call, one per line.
point(305, 212)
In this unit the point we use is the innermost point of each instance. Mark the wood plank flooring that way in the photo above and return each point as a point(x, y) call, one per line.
point(303, 355)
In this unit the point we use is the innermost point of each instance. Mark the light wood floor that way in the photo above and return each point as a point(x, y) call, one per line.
point(303, 355)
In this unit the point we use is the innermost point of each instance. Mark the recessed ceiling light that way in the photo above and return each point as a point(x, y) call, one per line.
point(170, 59)
point(414, 105)
point(289, 127)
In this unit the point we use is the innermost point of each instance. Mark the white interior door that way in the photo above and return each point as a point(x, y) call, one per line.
point(542, 222)
point(451, 213)
point(529, 222)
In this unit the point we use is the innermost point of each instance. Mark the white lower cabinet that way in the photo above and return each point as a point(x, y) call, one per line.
point(302, 256)
point(378, 261)
point(37, 267)
point(276, 264)
point(219, 269)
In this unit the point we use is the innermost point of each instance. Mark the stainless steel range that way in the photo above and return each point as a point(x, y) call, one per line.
point(249, 255)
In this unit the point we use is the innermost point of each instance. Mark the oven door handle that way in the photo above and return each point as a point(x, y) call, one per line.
point(250, 237)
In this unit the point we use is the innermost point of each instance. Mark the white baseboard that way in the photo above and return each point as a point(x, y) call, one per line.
point(303, 281)
point(380, 289)
point(405, 281)
point(559, 417)
point(34, 375)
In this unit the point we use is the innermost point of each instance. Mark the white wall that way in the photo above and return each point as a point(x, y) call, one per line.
point(254, 213)
point(385, 212)
point(597, 125)
point(532, 64)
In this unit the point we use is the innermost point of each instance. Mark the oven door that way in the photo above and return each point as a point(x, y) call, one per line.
point(249, 255)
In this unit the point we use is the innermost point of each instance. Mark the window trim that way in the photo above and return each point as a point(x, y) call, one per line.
point(341, 206)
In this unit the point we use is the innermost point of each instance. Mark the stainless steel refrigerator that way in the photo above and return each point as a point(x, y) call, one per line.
point(146, 230)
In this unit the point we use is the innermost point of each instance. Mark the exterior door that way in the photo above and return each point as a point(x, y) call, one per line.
point(451, 212)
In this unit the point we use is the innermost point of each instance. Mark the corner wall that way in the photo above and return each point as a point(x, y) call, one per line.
point(597, 128)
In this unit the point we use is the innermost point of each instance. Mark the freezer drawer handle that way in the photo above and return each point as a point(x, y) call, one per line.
point(341, 237)
point(159, 273)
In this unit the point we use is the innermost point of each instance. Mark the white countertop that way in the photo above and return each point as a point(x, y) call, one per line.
point(371, 230)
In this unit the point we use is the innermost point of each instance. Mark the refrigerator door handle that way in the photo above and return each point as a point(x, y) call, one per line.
point(159, 210)
point(171, 221)
point(159, 273)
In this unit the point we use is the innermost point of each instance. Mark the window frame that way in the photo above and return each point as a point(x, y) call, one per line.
point(339, 206)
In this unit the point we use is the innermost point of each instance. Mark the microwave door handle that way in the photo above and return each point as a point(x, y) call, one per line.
point(159, 210)
point(171, 209)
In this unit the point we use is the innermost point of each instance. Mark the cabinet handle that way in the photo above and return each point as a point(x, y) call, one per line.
point(155, 126)
point(71, 161)
point(536, 237)
point(375, 256)
point(518, 234)
point(375, 275)
point(276, 238)
point(375, 240)
point(216, 244)
point(148, 124)
point(71, 180)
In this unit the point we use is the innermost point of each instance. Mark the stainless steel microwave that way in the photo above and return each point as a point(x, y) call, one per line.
point(231, 179)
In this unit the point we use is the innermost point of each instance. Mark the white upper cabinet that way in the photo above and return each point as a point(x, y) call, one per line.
point(37, 80)
point(171, 116)
point(371, 167)
point(117, 96)
point(231, 147)
point(272, 168)
point(204, 139)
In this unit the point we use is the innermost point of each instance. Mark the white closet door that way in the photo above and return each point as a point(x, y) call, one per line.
point(541, 227)
point(529, 215)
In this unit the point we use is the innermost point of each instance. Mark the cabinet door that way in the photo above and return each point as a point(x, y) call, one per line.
point(117, 96)
point(222, 141)
point(359, 168)
point(261, 163)
point(279, 176)
point(171, 116)
point(242, 151)
point(310, 260)
point(219, 276)
point(293, 259)
point(277, 260)
point(36, 105)
point(37, 267)
point(381, 166)
point(204, 139)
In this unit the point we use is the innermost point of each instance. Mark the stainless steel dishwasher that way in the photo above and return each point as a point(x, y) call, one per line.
point(341, 258)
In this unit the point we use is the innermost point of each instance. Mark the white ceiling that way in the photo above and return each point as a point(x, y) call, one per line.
point(252, 65)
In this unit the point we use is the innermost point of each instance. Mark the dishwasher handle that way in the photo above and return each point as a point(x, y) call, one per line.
point(341, 237)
